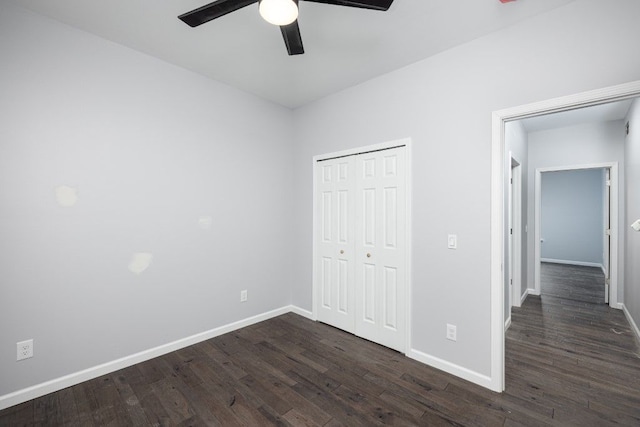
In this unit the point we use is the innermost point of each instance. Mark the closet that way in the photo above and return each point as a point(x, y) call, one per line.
point(361, 244)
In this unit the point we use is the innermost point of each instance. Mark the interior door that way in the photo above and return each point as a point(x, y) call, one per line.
point(510, 238)
point(607, 234)
point(380, 237)
point(335, 288)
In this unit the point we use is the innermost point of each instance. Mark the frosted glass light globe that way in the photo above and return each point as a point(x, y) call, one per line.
point(279, 12)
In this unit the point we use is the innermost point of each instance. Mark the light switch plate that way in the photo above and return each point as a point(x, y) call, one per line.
point(452, 241)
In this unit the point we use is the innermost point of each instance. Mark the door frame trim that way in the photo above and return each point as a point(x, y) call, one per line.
point(613, 220)
point(407, 142)
point(498, 120)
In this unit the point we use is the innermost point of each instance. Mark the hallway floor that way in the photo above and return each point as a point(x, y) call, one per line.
point(572, 357)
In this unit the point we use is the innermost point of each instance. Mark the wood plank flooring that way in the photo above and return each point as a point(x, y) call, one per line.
point(572, 282)
point(568, 363)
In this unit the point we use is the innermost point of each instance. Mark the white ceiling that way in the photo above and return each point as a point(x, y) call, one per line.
point(343, 46)
point(595, 114)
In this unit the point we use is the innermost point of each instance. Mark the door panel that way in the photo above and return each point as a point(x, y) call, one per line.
point(380, 247)
point(335, 210)
point(390, 309)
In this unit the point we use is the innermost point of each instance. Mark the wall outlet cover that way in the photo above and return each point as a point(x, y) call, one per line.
point(452, 332)
point(24, 349)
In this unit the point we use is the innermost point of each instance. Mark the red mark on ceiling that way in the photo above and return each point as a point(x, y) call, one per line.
point(506, 1)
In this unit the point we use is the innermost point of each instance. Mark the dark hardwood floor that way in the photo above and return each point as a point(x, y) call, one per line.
point(568, 363)
point(572, 282)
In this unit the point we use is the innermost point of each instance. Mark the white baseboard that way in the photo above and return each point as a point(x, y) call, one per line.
point(57, 384)
point(569, 262)
point(525, 295)
point(507, 324)
point(632, 322)
point(302, 312)
point(533, 292)
point(450, 368)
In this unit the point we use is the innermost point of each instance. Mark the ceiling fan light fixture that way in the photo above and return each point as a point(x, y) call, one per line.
point(279, 12)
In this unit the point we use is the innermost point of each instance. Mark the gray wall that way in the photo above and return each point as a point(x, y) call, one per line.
point(632, 176)
point(577, 145)
point(150, 148)
point(444, 104)
point(572, 216)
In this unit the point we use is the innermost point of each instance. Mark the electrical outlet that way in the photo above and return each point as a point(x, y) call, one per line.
point(451, 332)
point(243, 296)
point(25, 349)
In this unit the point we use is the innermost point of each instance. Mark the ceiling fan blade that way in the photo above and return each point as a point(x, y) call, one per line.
point(213, 10)
point(292, 38)
point(364, 4)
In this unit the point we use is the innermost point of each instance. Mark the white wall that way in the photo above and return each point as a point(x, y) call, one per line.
point(150, 148)
point(577, 145)
point(571, 217)
point(444, 104)
point(632, 176)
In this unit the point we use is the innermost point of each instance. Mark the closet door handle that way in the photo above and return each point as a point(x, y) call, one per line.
point(341, 251)
point(368, 255)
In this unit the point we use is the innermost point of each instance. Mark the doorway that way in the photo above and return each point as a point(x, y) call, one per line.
point(608, 232)
point(498, 218)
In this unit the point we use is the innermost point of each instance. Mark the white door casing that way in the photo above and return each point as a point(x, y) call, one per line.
point(606, 255)
point(613, 218)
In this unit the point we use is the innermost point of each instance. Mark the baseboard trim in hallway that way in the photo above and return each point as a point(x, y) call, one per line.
point(634, 325)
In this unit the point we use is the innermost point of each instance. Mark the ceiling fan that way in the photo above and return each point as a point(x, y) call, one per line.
point(283, 13)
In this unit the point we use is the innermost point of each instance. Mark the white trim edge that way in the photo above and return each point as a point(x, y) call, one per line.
point(633, 324)
point(524, 296)
point(570, 262)
point(450, 368)
point(507, 324)
point(57, 384)
point(302, 312)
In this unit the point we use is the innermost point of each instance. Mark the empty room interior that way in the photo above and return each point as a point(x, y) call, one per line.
point(382, 212)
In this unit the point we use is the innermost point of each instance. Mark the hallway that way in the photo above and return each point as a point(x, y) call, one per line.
point(570, 356)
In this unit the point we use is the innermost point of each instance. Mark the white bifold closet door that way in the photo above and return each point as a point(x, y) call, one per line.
point(335, 192)
point(361, 203)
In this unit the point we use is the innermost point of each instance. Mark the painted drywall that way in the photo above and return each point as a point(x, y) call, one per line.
point(444, 104)
point(571, 222)
point(192, 176)
point(585, 144)
point(632, 195)
point(515, 137)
